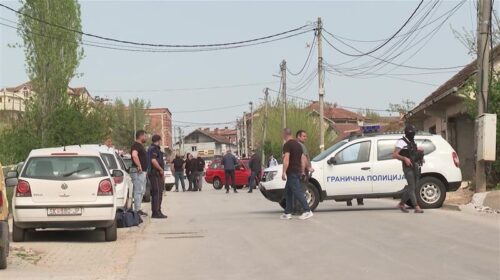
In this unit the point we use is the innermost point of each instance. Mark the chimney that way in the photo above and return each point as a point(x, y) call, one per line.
point(216, 130)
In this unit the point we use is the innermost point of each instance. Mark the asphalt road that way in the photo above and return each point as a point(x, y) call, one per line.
point(213, 235)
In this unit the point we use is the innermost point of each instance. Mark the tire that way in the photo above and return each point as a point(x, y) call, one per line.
point(111, 233)
point(169, 187)
point(147, 193)
point(312, 197)
point(18, 234)
point(217, 183)
point(431, 192)
point(4, 252)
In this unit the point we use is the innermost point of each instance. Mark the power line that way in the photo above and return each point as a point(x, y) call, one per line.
point(307, 59)
point(206, 124)
point(156, 45)
point(211, 109)
point(185, 89)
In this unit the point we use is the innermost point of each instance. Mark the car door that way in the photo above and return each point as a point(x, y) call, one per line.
point(128, 186)
point(241, 174)
point(350, 170)
point(387, 172)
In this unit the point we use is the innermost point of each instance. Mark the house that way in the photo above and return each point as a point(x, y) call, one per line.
point(444, 112)
point(159, 121)
point(208, 143)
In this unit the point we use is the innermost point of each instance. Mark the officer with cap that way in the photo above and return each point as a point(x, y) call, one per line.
point(412, 158)
point(156, 166)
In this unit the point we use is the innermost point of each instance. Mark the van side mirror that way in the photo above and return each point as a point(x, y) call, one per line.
point(117, 173)
point(12, 174)
point(332, 161)
point(11, 182)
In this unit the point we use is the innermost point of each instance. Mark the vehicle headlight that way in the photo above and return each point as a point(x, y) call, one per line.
point(271, 175)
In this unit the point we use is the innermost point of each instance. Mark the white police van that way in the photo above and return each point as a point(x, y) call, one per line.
point(364, 168)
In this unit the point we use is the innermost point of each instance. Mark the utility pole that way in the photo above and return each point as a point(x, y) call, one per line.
point(251, 127)
point(237, 136)
point(321, 80)
point(483, 65)
point(135, 123)
point(245, 135)
point(264, 133)
point(283, 91)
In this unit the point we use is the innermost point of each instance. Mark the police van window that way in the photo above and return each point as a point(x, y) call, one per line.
point(385, 149)
point(359, 152)
point(426, 144)
point(329, 151)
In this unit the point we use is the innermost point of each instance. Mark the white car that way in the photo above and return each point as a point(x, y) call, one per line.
point(124, 186)
point(169, 178)
point(364, 168)
point(64, 188)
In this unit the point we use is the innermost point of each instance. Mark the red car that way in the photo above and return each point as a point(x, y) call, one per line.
point(215, 174)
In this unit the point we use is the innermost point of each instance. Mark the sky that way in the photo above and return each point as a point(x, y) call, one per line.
point(152, 76)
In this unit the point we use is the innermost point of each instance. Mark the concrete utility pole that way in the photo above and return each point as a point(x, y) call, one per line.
point(237, 136)
point(283, 90)
point(264, 133)
point(321, 80)
point(251, 127)
point(483, 68)
point(245, 134)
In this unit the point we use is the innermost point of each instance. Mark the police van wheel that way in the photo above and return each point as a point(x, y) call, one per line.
point(431, 192)
point(312, 198)
point(217, 184)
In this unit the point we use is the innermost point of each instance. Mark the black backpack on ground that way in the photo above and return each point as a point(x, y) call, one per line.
point(127, 218)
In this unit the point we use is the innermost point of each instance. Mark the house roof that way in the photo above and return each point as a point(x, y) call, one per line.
point(217, 138)
point(453, 84)
point(334, 113)
point(158, 110)
point(19, 87)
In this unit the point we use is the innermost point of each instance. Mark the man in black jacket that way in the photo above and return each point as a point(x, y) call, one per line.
point(255, 165)
point(200, 169)
point(189, 171)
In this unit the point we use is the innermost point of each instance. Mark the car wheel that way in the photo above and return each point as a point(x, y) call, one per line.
point(18, 234)
point(169, 187)
point(4, 252)
point(431, 192)
point(312, 198)
point(217, 183)
point(111, 233)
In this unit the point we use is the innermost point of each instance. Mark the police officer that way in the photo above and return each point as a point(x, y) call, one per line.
point(156, 165)
point(412, 158)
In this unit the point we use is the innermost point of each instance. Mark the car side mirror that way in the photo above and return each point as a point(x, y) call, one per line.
point(117, 173)
point(332, 161)
point(11, 182)
point(12, 174)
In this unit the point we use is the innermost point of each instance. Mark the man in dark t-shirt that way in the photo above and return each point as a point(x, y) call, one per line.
point(138, 170)
point(293, 169)
point(155, 175)
point(178, 164)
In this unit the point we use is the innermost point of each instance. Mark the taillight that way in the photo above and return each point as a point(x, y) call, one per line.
point(118, 180)
point(105, 188)
point(23, 189)
point(456, 160)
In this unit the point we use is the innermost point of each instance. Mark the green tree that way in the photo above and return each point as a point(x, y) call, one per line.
point(404, 107)
point(52, 54)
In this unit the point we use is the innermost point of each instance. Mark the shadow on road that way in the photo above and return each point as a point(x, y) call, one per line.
point(73, 236)
point(353, 209)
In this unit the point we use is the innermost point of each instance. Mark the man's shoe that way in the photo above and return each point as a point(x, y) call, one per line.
point(403, 209)
point(176, 191)
point(227, 191)
point(140, 212)
point(306, 215)
point(286, 216)
point(419, 211)
point(250, 191)
point(158, 216)
point(235, 191)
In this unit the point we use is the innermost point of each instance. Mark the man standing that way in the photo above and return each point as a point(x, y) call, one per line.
point(255, 168)
point(407, 152)
point(230, 162)
point(138, 172)
point(195, 174)
point(200, 165)
point(189, 171)
point(293, 169)
point(155, 175)
point(178, 166)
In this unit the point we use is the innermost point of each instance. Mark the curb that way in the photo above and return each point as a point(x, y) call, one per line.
point(451, 207)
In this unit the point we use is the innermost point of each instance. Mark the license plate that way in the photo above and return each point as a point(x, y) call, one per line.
point(64, 211)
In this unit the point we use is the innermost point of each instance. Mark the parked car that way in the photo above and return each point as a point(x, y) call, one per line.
point(215, 174)
point(169, 178)
point(113, 161)
point(364, 168)
point(4, 225)
point(64, 188)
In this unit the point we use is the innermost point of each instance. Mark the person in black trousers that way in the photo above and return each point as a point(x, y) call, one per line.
point(255, 165)
point(189, 174)
point(155, 175)
point(230, 162)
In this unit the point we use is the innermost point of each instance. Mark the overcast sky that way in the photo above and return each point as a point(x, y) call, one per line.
point(213, 22)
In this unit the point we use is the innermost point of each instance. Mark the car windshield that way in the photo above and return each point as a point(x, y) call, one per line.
point(64, 168)
point(329, 151)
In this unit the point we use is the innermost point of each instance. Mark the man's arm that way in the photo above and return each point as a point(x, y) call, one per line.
point(135, 158)
point(303, 163)
point(397, 156)
point(286, 162)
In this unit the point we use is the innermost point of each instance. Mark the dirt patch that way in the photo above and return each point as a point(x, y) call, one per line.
point(461, 196)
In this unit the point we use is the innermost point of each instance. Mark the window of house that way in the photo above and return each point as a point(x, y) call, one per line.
point(355, 153)
point(0, 100)
point(193, 149)
point(432, 129)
